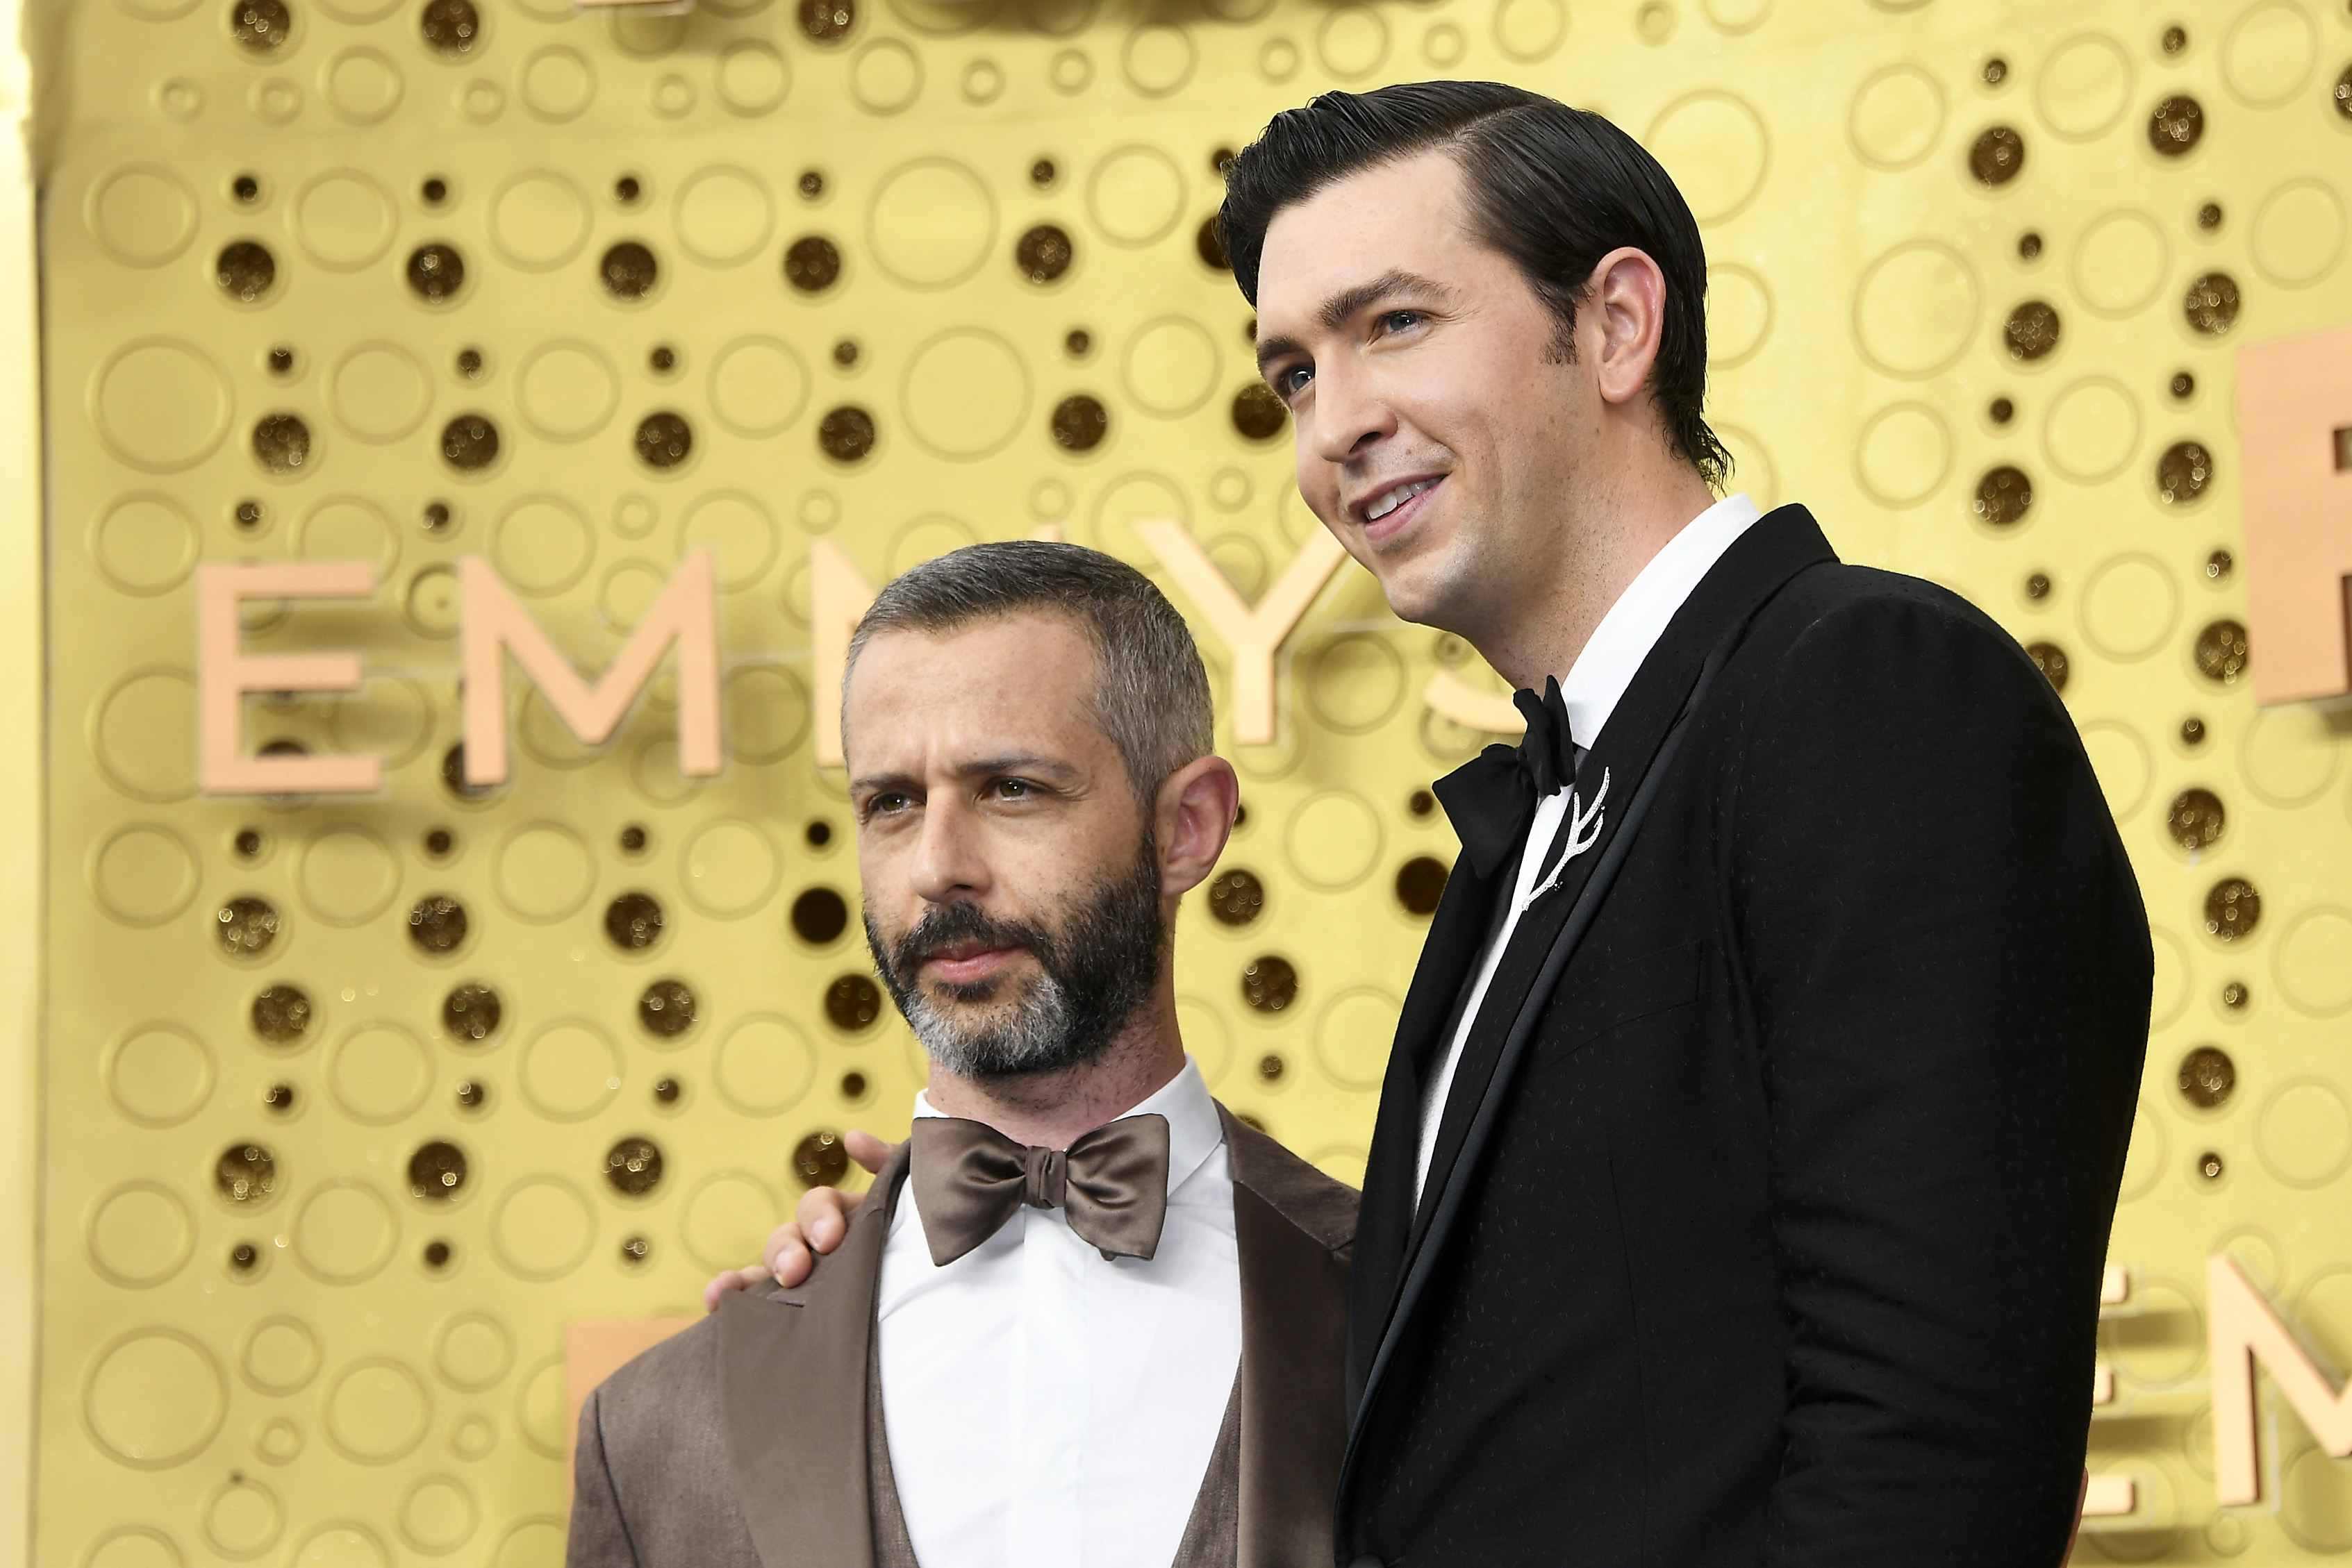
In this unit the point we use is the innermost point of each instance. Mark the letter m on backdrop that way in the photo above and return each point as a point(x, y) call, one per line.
point(2294, 436)
point(496, 624)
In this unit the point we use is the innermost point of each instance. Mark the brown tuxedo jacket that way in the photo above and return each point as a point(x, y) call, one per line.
point(742, 1443)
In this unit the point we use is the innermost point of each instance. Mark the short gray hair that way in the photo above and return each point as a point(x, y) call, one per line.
point(1151, 692)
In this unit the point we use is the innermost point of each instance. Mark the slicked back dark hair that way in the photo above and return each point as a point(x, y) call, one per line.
point(1553, 188)
point(1151, 692)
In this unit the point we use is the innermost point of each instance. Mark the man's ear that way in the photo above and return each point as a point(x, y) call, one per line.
point(1627, 299)
point(1191, 819)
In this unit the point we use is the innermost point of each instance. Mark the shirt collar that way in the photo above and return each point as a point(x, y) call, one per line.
point(1194, 1131)
point(1613, 655)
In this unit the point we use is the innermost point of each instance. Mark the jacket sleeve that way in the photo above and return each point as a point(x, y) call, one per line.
point(600, 1537)
point(1948, 972)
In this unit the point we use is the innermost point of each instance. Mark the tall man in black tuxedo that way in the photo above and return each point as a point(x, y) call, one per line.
point(1743, 1173)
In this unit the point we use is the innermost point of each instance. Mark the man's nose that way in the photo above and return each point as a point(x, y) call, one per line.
point(947, 863)
point(1349, 415)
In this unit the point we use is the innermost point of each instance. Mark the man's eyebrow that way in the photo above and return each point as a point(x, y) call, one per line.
point(1019, 762)
point(1337, 308)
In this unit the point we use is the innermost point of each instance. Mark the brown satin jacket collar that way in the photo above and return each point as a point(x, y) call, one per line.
point(793, 1369)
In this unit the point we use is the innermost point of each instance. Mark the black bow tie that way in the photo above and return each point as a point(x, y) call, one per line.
point(1492, 798)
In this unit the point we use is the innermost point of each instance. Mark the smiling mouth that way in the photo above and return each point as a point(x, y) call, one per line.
point(1388, 501)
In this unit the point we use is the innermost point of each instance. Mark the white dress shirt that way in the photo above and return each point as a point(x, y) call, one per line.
point(1049, 1407)
point(1611, 660)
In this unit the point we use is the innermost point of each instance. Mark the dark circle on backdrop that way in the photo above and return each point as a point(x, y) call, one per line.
point(812, 263)
point(663, 440)
point(635, 1250)
point(1258, 415)
point(245, 926)
point(2222, 651)
point(1420, 883)
point(245, 270)
point(245, 1173)
point(281, 1014)
point(1209, 247)
point(2050, 660)
point(451, 28)
point(629, 271)
point(1044, 254)
point(436, 273)
point(471, 1012)
point(1236, 898)
point(2032, 330)
point(633, 1166)
point(853, 1002)
point(666, 1008)
point(261, 26)
point(2176, 125)
point(2183, 472)
point(1998, 157)
point(2207, 1077)
point(438, 924)
point(845, 434)
point(437, 1171)
point(819, 1160)
point(1079, 422)
point(2196, 819)
point(282, 442)
point(823, 21)
point(280, 1097)
point(2004, 496)
point(634, 921)
point(2212, 304)
point(820, 914)
point(1269, 984)
point(470, 443)
point(2233, 909)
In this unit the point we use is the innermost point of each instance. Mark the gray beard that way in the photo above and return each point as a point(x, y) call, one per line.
point(1099, 969)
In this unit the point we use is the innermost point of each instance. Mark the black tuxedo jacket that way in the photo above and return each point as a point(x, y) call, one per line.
point(1770, 1200)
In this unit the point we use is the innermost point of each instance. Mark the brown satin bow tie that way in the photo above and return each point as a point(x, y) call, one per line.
point(969, 1180)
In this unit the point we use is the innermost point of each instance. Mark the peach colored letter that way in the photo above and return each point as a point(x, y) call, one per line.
point(495, 625)
point(2244, 1329)
point(1254, 636)
point(2294, 440)
point(838, 597)
point(226, 672)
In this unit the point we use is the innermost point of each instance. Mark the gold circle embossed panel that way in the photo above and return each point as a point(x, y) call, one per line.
point(878, 278)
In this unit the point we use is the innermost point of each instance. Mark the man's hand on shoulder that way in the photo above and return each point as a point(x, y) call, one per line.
point(821, 1226)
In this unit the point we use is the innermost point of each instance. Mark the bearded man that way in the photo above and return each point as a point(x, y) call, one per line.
point(1087, 1316)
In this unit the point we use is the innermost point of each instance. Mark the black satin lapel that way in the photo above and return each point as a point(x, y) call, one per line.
point(1293, 1416)
point(792, 1397)
point(1457, 934)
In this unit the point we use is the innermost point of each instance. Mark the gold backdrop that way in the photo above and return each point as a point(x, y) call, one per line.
point(352, 1104)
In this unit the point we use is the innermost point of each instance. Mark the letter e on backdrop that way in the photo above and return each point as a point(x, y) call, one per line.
point(2294, 440)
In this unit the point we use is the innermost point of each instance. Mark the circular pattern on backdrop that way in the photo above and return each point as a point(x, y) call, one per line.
point(728, 867)
point(566, 391)
point(280, 1356)
point(160, 405)
point(2298, 232)
point(1356, 684)
point(153, 1398)
point(729, 1215)
point(1896, 116)
point(2315, 961)
point(1158, 58)
point(2091, 430)
point(1351, 41)
point(542, 872)
point(541, 1229)
point(1904, 454)
point(391, 717)
point(379, 1073)
point(556, 84)
point(1716, 146)
point(2120, 761)
point(2120, 263)
point(1332, 840)
point(751, 78)
point(2303, 1133)
point(1352, 1036)
point(2289, 755)
point(2266, 56)
point(347, 527)
point(157, 1075)
point(885, 75)
point(241, 1518)
point(734, 525)
point(965, 393)
point(1915, 310)
point(1127, 501)
point(723, 216)
point(436, 1514)
point(141, 215)
point(1171, 366)
point(2144, 1156)
point(1135, 196)
point(1529, 30)
point(343, 220)
point(767, 713)
point(1739, 314)
point(570, 1069)
point(763, 1065)
point(139, 1234)
point(142, 873)
point(342, 1543)
point(360, 85)
point(375, 1410)
point(541, 544)
point(932, 223)
point(539, 220)
point(343, 1232)
point(472, 1352)
point(2169, 994)
point(2129, 606)
point(758, 386)
point(346, 874)
point(2084, 87)
point(143, 543)
point(378, 391)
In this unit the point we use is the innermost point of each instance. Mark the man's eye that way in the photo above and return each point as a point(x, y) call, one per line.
point(1289, 383)
point(886, 804)
point(1403, 321)
point(1013, 789)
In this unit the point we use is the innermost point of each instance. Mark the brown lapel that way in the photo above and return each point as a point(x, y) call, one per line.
point(792, 1397)
point(1293, 1227)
